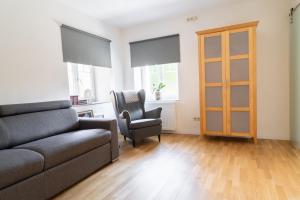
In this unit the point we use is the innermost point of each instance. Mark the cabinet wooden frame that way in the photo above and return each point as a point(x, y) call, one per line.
point(204, 85)
point(226, 84)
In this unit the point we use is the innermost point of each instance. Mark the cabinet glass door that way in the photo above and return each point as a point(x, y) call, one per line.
point(213, 84)
point(239, 75)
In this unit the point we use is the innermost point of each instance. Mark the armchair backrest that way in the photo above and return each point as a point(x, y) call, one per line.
point(132, 101)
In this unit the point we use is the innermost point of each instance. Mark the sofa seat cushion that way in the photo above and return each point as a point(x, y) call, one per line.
point(64, 147)
point(142, 123)
point(19, 164)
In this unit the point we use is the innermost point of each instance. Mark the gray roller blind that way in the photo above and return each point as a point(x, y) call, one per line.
point(84, 48)
point(155, 51)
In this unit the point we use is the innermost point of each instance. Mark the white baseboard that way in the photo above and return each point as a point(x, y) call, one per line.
point(177, 132)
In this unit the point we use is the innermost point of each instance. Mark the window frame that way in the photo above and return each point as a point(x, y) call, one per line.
point(75, 76)
point(142, 82)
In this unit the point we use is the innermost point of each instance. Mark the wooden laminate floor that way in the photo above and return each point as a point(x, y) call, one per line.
point(192, 167)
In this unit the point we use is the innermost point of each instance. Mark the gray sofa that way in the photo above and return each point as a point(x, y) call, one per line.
point(45, 148)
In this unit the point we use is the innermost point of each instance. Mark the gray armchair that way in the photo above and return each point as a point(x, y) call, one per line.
point(134, 122)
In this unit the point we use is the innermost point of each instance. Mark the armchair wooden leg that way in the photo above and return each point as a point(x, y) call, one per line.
point(133, 143)
point(124, 137)
point(159, 137)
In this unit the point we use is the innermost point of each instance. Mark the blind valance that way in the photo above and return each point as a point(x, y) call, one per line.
point(155, 51)
point(84, 48)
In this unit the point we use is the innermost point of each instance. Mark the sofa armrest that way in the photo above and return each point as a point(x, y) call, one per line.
point(108, 124)
point(155, 113)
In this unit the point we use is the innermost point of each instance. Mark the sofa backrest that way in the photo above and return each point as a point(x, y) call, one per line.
point(22, 123)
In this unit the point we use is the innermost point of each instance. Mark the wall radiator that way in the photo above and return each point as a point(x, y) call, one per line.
point(168, 114)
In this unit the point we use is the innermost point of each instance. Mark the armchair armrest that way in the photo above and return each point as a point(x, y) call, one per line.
point(108, 124)
point(155, 113)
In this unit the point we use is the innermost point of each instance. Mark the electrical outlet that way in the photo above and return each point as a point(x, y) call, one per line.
point(193, 18)
point(196, 118)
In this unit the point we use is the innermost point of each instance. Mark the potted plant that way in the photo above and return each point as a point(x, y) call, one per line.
point(157, 89)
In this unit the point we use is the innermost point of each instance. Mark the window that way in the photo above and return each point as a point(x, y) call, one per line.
point(82, 81)
point(145, 77)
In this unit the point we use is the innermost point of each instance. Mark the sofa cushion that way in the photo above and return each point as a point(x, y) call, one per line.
point(63, 147)
point(24, 128)
point(19, 164)
point(142, 123)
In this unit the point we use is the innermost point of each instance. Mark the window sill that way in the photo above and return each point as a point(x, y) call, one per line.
point(162, 101)
point(91, 104)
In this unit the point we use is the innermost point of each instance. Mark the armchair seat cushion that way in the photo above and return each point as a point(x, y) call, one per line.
point(61, 148)
point(143, 123)
point(19, 164)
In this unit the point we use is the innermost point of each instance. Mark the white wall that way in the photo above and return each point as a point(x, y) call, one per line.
point(272, 58)
point(31, 62)
point(294, 2)
point(31, 67)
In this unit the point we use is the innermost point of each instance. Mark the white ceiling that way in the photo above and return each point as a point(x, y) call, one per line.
point(125, 13)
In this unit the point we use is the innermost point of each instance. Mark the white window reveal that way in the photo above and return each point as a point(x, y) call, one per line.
point(82, 81)
point(149, 77)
